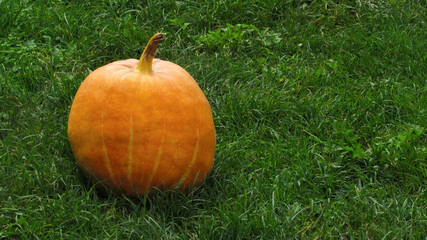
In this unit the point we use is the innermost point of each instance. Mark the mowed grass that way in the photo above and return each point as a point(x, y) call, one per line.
point(319, 107)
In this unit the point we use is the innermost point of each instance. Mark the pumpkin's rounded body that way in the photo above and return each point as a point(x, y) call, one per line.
point(135, 131)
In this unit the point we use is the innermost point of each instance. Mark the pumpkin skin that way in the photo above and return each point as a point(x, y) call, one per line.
point(135, 131)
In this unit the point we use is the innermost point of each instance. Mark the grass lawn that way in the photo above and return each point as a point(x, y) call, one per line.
point(319, 107)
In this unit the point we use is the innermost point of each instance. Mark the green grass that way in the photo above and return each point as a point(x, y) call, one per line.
point(319, 107)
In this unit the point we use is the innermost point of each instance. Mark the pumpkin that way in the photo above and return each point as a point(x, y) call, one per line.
point(138, 125)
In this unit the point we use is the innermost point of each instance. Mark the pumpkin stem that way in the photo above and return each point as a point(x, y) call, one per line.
point(146, 60)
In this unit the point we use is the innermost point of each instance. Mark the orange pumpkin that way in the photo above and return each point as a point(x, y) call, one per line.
point(135, 125)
